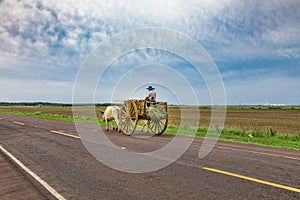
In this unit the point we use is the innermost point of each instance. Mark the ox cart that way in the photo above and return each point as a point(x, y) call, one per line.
point(152, 114)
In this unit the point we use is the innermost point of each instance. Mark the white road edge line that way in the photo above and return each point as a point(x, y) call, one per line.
point(36, 177)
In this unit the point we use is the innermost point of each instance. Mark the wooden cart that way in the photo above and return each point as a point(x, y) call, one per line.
point(154, 114)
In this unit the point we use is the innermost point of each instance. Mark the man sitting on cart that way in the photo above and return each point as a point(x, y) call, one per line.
point(151, 96)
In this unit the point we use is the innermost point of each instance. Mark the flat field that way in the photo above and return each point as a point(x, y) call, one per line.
point(281, 120)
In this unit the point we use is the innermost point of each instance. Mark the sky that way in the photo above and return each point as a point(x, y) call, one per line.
point(254, 44)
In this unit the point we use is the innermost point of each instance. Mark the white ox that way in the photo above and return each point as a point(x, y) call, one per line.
point(112, 113)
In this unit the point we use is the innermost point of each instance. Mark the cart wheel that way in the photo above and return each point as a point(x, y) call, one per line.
point(129, 117)
point(158, 121)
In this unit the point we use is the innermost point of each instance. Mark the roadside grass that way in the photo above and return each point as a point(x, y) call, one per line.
point(55, 117)
point(262, 138)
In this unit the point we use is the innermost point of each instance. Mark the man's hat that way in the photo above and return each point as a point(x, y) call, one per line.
point(150, 88)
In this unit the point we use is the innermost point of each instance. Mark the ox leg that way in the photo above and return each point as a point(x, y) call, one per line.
point(118, 126)
point(106, 123)
point(113, 124)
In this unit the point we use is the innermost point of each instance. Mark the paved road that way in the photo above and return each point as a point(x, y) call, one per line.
point(52, 150)
point(14, 183)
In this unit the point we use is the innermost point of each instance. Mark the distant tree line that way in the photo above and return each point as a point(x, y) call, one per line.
point(49, 104)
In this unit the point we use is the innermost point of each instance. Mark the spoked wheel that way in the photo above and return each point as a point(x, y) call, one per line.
point(158, 120)
point(129, 117)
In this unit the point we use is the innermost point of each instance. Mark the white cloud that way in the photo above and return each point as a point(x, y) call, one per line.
point(50, 39)
point(172, 86)
point(287, 35)
point(35, 90)
point(264, 89)
point(63, 24)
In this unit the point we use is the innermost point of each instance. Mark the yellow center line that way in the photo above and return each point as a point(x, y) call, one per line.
point(65, 134)
point(19, 123)
point(253, 179)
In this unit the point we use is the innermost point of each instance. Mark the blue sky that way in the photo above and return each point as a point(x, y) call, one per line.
point(255, 45)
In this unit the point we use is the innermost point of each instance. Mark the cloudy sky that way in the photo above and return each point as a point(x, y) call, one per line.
point(255, 45)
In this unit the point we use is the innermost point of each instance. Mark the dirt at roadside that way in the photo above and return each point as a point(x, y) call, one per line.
point(14, 184)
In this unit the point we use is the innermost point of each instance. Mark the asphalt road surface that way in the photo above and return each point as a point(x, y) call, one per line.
point(53, 151)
